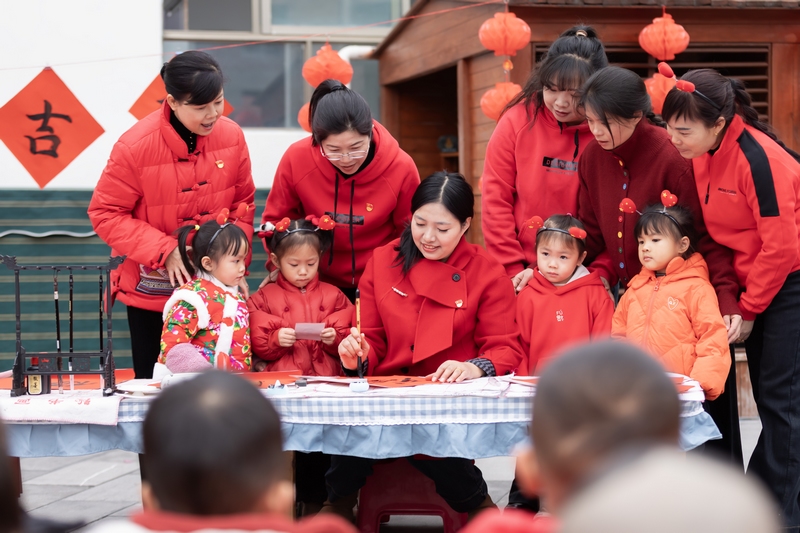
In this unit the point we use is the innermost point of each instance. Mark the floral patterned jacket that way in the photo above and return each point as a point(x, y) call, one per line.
point(211, 317)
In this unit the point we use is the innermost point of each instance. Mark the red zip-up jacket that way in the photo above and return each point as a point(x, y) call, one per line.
point(370, 208)
point(531, 168)
point(750, 195)
point(551, 317)
point(282, 305)
point(152, 186)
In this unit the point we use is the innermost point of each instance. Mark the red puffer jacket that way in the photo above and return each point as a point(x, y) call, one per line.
point(152, 185)
point(282, 305)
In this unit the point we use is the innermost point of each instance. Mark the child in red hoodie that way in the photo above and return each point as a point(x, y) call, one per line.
point(563, 303)
point(276, 310)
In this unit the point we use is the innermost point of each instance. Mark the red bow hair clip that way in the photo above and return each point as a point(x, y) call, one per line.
point(283, 225)
point(324, 222)
point(668, 199)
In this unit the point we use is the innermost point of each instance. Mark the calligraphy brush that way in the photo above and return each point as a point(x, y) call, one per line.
point(358, 328)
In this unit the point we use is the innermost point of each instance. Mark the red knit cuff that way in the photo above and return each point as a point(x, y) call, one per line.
point(747, 315)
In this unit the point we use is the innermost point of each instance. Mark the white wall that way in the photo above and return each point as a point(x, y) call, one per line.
point(107, 52)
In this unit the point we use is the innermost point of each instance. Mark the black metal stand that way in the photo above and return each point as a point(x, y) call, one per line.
point(27, 366)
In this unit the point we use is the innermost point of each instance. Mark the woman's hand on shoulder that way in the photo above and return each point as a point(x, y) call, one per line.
point(456, 371)
point(522, 279)
point(176, 269)
point(353, 346)
point(271, 278)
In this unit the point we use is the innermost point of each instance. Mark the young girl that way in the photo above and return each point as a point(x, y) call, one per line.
point(298, 296)
point(670, 306)
point(563, 302)
point(531, 159)
point(206, 320)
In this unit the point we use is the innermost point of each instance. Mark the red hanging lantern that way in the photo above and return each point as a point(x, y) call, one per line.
point(302, 118)
point(663, 38)
point(494, 100)
point(657, 87)
point(504, 34)
point(327, 65)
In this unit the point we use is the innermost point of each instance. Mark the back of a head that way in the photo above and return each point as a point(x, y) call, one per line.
point(664, 491)
point(212, 446)
point(595, 400)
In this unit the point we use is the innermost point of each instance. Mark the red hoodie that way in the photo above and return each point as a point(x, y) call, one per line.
point(551, 317)
point(530, 169)
point(370, 208)
point(750, 195)
point(282, 305)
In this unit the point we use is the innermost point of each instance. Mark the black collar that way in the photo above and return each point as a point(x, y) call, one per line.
point(188, 137)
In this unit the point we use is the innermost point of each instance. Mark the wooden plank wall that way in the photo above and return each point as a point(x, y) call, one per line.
point(426, 109)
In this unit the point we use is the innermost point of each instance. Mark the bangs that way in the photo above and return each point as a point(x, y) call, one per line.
point(657, 223)
point(566, 72)
point(680, 104)
point(207, 85)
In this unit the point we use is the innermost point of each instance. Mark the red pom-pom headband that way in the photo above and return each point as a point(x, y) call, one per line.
point(667, 200)
point(223, 219)
point(685, 86)
point(538, 223)
point(268, 229)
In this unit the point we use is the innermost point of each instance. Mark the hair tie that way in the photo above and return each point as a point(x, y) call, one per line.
point(340, 87)
point(537, 222)
point(581, 33)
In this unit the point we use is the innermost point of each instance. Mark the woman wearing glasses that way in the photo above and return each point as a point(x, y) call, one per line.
point(352, 169)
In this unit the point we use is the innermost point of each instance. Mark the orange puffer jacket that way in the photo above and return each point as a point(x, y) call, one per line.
point(677, 318)
point(152, 185)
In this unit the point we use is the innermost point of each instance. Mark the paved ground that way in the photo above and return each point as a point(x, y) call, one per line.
point(106, 486)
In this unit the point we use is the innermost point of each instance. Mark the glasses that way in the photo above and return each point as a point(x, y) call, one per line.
point(359, 154)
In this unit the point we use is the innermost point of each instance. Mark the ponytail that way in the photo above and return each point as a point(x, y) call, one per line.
point(183, 237)
point(336, 109)
point(745, 109)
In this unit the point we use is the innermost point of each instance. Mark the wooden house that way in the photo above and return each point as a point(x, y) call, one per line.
point(433, 69)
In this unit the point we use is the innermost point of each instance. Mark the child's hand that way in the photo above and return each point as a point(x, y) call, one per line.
point(286, 337)
point(353, 346)
point(271, 278)
point(260, 366)
point(328, 336)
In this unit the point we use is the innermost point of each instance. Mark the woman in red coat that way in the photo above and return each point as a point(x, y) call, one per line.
point(531, 165)
point(748, 183)
point(633, 158)
point(431, 304)
point(352, 169)
point(179, 165)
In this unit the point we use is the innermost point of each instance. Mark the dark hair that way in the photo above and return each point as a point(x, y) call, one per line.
point(212, 240)
point(617, 93)
point(569, 61)
point(10, 509)
point(681, 224)
point(597, 399)
point(212, 446)
point(193, 77)
point(335, 109)
point(562, 222)
point(729, 97)
point(447, 188)
point(298, 233)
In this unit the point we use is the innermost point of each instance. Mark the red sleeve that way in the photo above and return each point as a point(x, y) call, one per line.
point(719, 258)
point(340, 319)
point(525, 324)
point(371, 322)
point(402, 212)
point(496, 331)
point(497, 201)
point(597, 257)
point(245, 192)
point(713, 362)
point(115, 196)
point(603, 314)
point(778, 233)
point(619, 322)
point(264, 328)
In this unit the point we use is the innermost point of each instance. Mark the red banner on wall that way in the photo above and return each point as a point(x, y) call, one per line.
point(46, 127)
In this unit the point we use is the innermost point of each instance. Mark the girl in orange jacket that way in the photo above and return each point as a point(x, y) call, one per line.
point(670, 307)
